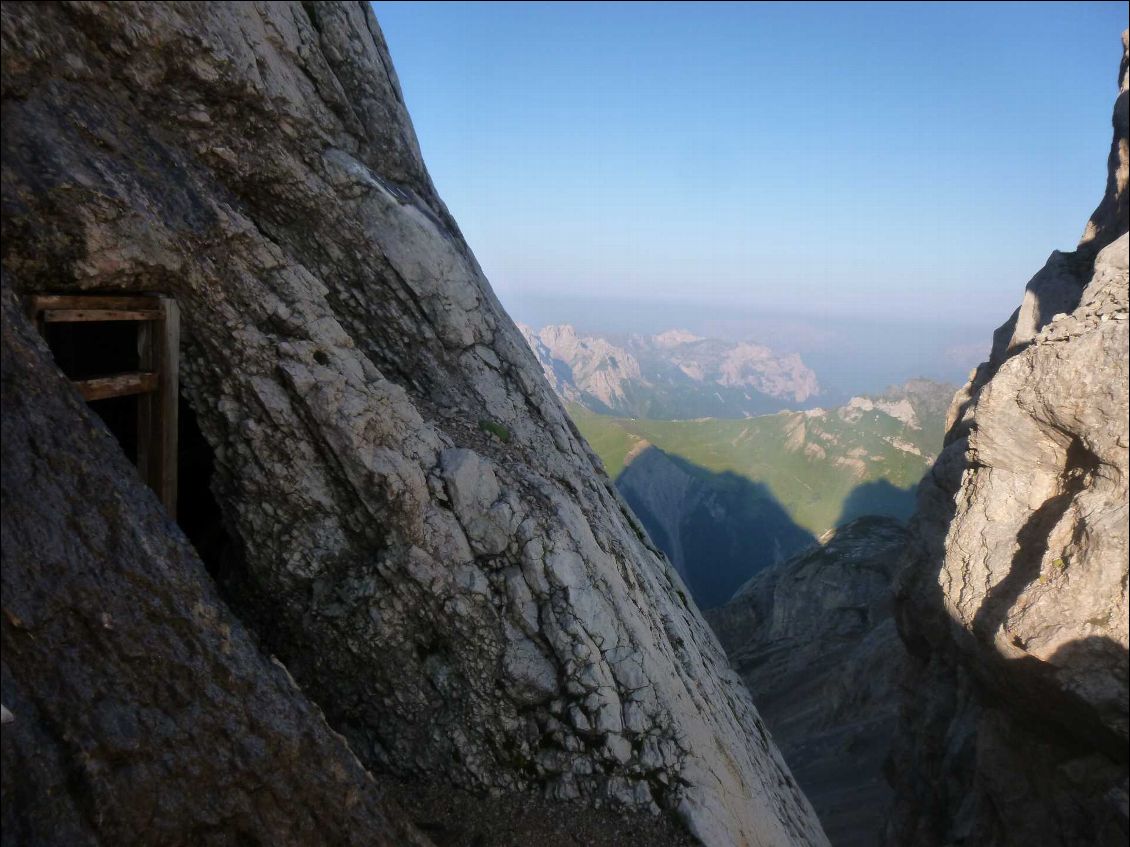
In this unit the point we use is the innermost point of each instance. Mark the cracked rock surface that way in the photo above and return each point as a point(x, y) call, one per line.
point(137, 708)
point(1014, 602)
point(420, 534)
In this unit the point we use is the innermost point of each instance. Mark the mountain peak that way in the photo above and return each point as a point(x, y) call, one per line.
point(673, 375)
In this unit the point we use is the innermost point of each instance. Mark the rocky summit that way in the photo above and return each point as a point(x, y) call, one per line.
point(1013, 602)
point(401, 511)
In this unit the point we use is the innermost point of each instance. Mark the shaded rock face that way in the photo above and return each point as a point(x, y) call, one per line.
point(1014, 601)
point(816, 639)
point(417, 530)
point(138, 709)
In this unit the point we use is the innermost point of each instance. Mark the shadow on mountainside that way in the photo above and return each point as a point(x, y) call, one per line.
point(1032, 543)
point(718, 529)
point(878, 497)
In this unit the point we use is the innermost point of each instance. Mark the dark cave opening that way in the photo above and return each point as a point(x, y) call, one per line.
point(91, 349)
point(211, 531)
point(88, 349)
point(198, 512)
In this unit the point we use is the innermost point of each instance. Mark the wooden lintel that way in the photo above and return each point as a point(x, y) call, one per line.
point(118, 385)
point(83, 315)
point(84, 302)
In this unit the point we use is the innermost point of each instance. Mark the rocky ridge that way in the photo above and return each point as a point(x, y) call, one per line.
point(1013, 603)
point(413, 525)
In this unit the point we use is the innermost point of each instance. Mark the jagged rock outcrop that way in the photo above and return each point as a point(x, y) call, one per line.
point(415, 528)
point(1014, 603)
point(137, 708)
point(816, 638)
point(581, 367)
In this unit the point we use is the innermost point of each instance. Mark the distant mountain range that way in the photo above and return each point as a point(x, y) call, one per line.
point(671, 376)
point(727, 498)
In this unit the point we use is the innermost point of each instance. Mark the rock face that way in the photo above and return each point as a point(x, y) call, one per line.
point(816, 636)
point(673, 375)
point(413, 525)
point(585, 367)
point(137, 708)
point(1014, 602)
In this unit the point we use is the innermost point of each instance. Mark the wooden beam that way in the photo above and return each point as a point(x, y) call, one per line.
point(43, 302)
point(86, 315)
point(118, 385)
point(157, 384)
point(169, 398)
point(158, 347)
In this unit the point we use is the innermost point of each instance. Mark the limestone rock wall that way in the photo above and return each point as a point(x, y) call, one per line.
point(417, 530)
point(1014, 604)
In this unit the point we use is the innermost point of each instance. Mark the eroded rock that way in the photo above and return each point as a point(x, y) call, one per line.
point(141, 710)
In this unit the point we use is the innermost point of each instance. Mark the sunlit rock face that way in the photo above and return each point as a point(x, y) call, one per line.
point(1014, 602)
point(414, 527)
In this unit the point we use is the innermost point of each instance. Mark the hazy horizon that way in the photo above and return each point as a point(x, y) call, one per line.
point(846, 166)
point(848, 357)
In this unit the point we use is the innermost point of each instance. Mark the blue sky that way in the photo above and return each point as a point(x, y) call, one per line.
point(902, 162)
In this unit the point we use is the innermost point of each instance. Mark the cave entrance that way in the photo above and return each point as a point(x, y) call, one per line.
point(199, 513)
point(121, 353)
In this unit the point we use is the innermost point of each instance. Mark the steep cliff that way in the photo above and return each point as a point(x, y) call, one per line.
point(409, 520)
point(1014, 603)
point(815, 635)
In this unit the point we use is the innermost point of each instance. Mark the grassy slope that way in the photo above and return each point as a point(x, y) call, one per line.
point(813, 490)
point(610, 441)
